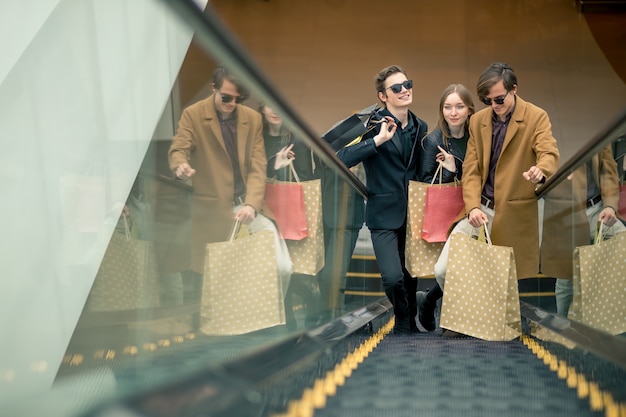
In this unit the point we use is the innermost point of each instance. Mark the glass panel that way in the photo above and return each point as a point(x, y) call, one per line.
point(581, 247)
point(102, 294)
point(80, 105)
point(180, 282)
point(144, 283)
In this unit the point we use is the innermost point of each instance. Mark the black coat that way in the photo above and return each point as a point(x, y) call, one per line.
point(429, 150)
point(387, 174)
point(305, 163)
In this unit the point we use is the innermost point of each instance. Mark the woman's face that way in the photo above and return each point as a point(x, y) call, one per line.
point(273, 119)
point(455, 112)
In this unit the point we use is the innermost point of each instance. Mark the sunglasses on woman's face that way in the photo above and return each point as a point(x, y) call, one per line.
point(498, 100)
point(396, 88)
point(227, 98)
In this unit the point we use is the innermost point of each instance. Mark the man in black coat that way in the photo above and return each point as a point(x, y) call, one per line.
point(390, 156)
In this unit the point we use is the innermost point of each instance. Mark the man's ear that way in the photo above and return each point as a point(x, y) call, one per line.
point(382, 97)
point(213, 87)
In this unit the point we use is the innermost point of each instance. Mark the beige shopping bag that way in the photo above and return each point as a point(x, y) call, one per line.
point(599, 282)
point(481, 297)
point(242, 291)
point(128, 277)
point(420, 256)
point(307, 254)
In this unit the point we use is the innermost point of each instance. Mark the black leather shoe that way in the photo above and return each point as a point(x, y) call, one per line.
point(426, 312)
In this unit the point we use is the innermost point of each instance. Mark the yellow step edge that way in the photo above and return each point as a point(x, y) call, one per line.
point(365, 293)
point(377, 275)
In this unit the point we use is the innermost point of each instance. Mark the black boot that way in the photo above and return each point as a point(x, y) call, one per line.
point(426, 311)
point(403, 326)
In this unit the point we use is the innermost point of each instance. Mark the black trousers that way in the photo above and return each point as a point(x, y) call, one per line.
point(398, 284)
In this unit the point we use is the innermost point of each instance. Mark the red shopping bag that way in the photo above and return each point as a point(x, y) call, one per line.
point(286, 201)
point(443, 204)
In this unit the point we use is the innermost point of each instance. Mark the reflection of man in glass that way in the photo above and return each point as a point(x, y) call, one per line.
point(219, 143)
point(343, 215)
point(619, 153)
point(590, 197)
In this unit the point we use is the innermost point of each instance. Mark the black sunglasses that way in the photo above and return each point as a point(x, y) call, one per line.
point(497, 100)
point(396, 88)
point(227, 98)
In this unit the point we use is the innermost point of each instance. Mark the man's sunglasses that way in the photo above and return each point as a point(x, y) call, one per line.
point(227, 98)
point(396, 88)
point(498, 100)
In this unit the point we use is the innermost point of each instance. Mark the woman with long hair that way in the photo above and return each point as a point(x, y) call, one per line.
point(445, 145)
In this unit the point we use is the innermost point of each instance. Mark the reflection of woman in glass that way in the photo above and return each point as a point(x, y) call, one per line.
point(446, 145)
point(281, 149)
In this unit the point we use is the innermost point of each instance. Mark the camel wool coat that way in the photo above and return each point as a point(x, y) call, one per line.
point(528, 142)
point(199, 142)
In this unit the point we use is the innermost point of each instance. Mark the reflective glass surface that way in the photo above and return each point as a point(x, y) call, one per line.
point(581, 248)
point(109, 279)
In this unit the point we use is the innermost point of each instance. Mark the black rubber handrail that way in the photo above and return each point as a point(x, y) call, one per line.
point(600, 343)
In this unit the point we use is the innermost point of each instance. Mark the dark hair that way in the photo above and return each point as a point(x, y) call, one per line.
point(492, 74)
point(222, 73)
point(285, 134)
point(379, 80)
point(466, 98)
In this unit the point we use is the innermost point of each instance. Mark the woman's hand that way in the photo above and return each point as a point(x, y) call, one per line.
point(446, 159)
point(284, 157)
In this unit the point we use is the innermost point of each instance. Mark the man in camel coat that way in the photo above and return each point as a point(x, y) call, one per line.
point(219, 144)
point(511, 149)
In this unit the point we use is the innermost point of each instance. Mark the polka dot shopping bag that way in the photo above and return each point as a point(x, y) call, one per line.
point(420, 255)
point(307, 254)
point(481, 297)
point(599, 284)
point(242, 290)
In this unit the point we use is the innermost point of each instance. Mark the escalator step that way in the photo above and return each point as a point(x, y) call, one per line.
point(426, 375)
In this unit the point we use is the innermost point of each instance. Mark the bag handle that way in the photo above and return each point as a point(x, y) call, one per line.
point(238, 229)
point(600, 234)
point(234, 231)
point(438, 171)
point(126, 226)
point(292, 169)
point(292, 174)
point(487, 235)
point(483, 231)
